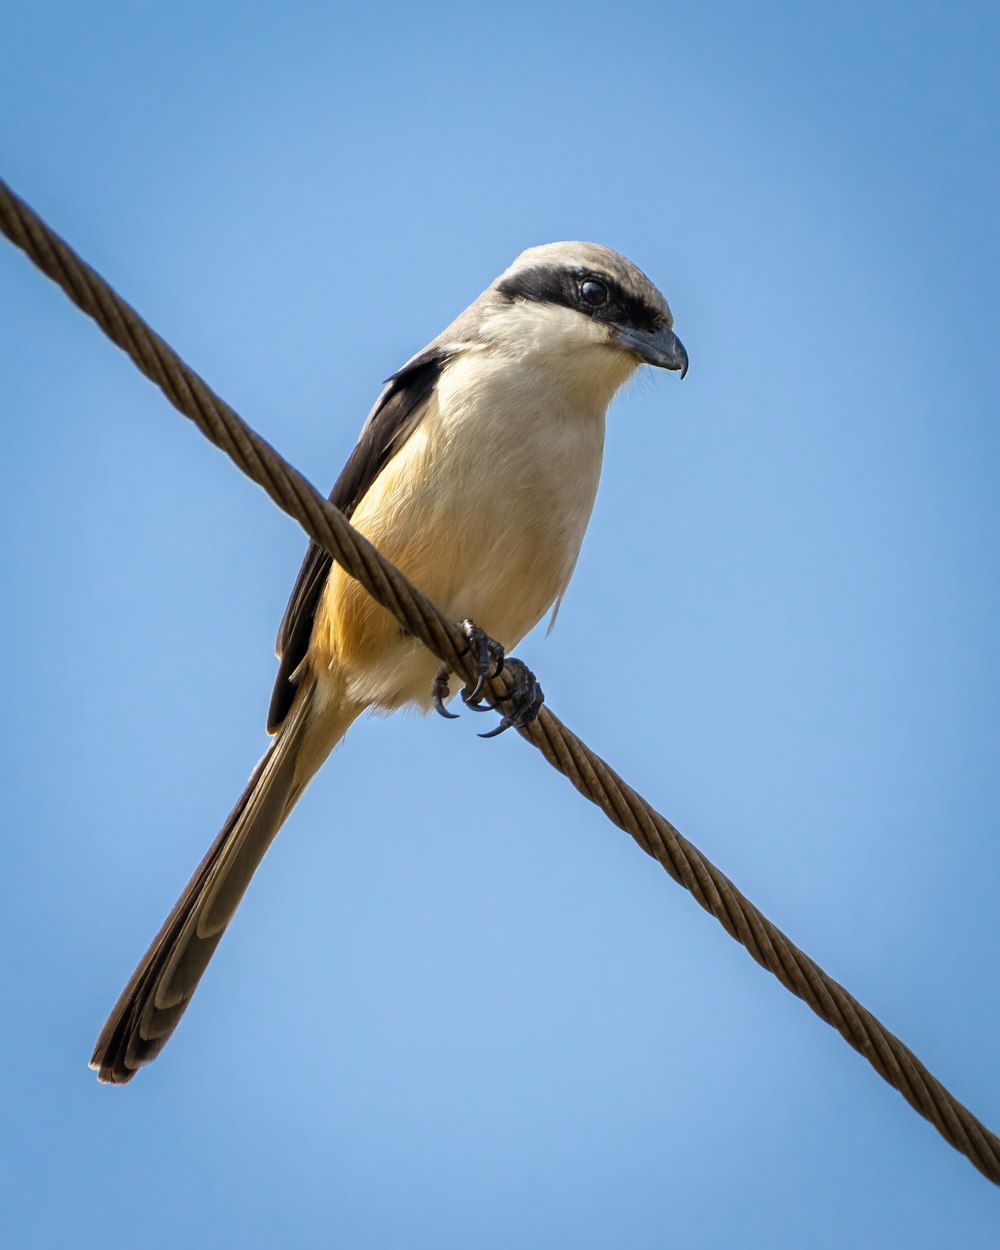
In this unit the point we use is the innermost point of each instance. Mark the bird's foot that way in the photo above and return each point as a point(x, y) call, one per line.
point(490, 664)
point(440, 692)
point(525, 699)
point(490, 656)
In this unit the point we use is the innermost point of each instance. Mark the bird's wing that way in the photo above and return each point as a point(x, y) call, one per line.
point(396, 414)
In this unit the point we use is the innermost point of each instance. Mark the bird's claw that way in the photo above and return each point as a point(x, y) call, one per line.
point(526, 699)
point(440, 692)
point(490, 655)
point(491, 661)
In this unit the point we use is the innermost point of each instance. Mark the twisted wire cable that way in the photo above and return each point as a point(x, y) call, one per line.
point(591, 776)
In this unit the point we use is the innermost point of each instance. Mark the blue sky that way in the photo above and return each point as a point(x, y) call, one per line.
point(458, 1008)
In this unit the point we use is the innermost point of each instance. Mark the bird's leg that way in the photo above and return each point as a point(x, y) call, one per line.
point(525, 699)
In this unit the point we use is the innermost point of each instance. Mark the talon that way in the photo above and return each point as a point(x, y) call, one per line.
point(474, 707)
point(472, 698)
point(526, 699)
point(484, 664)
point(440, 692)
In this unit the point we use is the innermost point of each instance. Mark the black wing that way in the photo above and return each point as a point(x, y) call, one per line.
point(390, 424)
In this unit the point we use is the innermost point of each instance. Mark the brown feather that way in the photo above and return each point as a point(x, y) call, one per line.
point(161, 987)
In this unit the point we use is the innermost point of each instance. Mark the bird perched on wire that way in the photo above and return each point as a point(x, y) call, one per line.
point(475, 474)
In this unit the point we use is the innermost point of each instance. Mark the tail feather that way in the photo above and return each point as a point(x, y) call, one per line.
point(161, 987)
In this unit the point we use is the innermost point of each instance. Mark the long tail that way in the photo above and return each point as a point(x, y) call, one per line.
point(162, 985)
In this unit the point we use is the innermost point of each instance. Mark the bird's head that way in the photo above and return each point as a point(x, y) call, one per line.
point(580, 307)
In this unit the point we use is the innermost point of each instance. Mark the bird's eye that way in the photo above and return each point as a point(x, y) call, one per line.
point(593, 293)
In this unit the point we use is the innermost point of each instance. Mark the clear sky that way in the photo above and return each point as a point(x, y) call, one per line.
point(458, 1009)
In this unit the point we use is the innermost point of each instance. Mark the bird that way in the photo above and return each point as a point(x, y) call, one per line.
point(475, 473)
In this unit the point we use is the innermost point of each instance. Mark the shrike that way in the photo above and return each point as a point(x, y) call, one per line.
point(475, 473)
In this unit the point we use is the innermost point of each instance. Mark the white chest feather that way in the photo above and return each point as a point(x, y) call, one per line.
point(484, 507)
point(510, 469)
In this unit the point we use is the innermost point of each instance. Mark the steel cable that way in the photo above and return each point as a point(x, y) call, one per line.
point(594, 779)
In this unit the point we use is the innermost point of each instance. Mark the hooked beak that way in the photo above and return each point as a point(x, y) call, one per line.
point(661, 348)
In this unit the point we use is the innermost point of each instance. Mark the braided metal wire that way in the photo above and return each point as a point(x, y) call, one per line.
point(594, 779)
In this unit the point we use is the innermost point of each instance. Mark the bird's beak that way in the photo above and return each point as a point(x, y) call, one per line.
point(661, 348)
